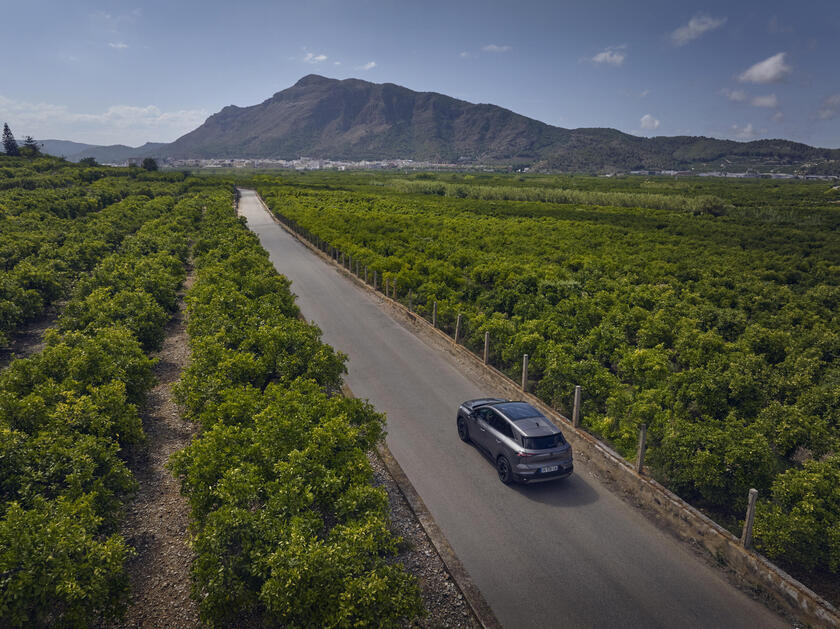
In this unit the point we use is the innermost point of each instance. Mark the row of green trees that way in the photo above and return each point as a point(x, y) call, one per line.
point(50, 235)
point(41, 255)
point(288, 529)
point(66, 416)
point(697, 204)
point(720, 334)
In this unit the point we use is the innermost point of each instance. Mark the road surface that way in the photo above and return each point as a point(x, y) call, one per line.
point(568, 553)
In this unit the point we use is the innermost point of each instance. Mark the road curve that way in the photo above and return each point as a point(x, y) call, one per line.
point(567, 554)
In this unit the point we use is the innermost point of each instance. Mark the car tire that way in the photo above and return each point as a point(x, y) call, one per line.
point(503, 468)
point(463, 430)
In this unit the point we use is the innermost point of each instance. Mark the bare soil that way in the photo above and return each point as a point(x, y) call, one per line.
point(157, 519)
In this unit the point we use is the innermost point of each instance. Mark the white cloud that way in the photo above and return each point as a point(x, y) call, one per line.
point(644, 93)
point(118, 45)
point(649, 122)
point(336, 63)
point(769, 100)
point(614, 56)
point(747, 132)
point(771, 70)
point(126, 124)
point(496, 48)
point(696, 26)
point(830, 108)
point(736, 96)
point(778, 117)
point(368, 66)
point(311, 57)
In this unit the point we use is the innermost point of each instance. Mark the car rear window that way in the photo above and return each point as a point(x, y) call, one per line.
point(543, 443)
point(518, 410)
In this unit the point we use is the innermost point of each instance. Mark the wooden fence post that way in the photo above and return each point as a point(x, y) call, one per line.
point(434, 315)
point(486, 347)
point(746, 535)
point(524, 373)
point(576, 411)
point(457, 328)
point(640, 454)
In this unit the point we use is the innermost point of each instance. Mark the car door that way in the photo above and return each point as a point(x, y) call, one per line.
point(481, 433)
point(499, 429)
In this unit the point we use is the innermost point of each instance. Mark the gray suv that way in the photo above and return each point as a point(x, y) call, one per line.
point(525, 446)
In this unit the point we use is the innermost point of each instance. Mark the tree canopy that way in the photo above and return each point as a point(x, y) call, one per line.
point(30, 147)
point(10, 145)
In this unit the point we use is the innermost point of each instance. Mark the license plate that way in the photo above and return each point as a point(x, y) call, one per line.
point(550, 468)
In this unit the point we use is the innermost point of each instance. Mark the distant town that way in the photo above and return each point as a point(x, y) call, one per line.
point(309, 163)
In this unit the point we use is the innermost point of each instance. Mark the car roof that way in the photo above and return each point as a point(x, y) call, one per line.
point(530, 421)
point(516, 410)
point(527, 419)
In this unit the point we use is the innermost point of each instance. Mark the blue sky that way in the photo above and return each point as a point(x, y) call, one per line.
point(128, 72)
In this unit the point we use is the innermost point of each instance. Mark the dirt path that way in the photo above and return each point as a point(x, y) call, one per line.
point(157, 519)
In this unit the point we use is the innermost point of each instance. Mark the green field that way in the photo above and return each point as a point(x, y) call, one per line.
point(706, 309)
point(286, 525)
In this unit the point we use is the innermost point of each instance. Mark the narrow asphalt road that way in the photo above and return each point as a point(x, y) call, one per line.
point(567, 554)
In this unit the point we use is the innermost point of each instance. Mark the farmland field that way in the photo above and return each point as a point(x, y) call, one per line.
point(705, 309)
point(109, 248)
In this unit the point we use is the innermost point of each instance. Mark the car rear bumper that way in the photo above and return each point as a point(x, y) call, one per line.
point(537, 477)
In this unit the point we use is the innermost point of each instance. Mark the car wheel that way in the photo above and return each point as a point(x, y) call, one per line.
point(463, 430)
point(503, 468)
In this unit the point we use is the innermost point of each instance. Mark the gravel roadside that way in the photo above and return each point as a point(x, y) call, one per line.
point(442, 599)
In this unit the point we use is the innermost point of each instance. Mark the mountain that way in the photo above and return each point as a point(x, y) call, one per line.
point(113, 154)
point(63, 148)
point(356, 120)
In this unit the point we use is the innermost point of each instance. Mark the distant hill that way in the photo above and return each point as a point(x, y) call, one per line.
point(113, 154)
point(356, 120)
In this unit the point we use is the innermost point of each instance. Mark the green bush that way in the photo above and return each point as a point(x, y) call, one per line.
point(56, 569)
point(801, 521)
